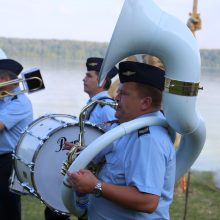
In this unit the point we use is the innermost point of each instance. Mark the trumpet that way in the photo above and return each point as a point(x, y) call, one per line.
point(31, 81)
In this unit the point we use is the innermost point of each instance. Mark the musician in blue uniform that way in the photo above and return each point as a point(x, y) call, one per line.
point(15, 115)
point(98, 113)
point(137, 179)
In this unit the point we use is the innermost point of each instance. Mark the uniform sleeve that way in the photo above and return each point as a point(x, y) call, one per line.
point(13, 113)
point(145, 165)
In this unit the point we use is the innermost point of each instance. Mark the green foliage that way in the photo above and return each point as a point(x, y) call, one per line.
point(68, 53)
point(54, 52)
point(33, 209)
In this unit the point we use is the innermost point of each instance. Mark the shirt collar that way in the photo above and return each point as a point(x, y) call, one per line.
point(6, 98)
point(99, 95)
point(157, 114)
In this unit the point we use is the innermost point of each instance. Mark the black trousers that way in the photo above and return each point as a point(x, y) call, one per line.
point(10, 203)
point(51, 215)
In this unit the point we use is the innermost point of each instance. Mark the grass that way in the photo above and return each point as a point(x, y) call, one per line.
point(203, 201)
point(33, 209)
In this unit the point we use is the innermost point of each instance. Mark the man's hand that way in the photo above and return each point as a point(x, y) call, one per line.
point(83, 181)
point(68, 145)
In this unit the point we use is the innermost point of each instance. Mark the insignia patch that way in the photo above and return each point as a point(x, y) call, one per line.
point(144, 130)
point(14, 97)
point(128, 73)
point(92, 64)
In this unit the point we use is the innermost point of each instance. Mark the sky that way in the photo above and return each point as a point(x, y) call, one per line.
point(94, 20)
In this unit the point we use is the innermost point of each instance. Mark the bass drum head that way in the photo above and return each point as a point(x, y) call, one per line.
point(47, 177)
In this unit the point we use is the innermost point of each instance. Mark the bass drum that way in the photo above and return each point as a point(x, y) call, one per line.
point(39, 155)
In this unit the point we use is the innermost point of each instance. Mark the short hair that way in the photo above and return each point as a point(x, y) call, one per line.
point(108, 81)
point(155, 94)
point(11, 75)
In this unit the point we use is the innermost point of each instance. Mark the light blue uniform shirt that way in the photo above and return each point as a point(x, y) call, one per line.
point(16, 114)
point(101, 113)
point(144, 159)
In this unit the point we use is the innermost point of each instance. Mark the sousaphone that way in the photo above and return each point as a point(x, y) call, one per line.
point(143, 28)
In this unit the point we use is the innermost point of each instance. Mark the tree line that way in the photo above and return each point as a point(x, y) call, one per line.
point(71, 52)
point(44, 52)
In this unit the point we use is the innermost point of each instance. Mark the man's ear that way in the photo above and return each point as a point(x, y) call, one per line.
point(146, 103)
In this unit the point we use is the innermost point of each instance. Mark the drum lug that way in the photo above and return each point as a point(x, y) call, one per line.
point(15, 157)
point(31, 166)
point(25, 129)
point(29, 189)
point(32, 191)
point(42, 140)
point(46, 138)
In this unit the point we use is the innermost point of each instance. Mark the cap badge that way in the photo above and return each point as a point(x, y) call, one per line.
point(92, 64)
point(128, 73)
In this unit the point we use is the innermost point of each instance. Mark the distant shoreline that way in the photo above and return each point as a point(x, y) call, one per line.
point(71, 52)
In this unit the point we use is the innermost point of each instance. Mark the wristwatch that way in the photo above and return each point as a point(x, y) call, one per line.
point(97, 191)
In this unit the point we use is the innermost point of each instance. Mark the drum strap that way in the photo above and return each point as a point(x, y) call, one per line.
point(89, 112)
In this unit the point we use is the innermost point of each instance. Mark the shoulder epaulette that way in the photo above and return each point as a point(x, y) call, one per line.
point(143, 131)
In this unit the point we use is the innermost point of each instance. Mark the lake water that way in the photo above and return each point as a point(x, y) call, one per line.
point(64, 94)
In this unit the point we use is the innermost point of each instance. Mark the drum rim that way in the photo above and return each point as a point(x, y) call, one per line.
point(39, 147)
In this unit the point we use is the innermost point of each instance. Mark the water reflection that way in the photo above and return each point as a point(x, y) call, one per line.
point(209, 107)
point(63, 94)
